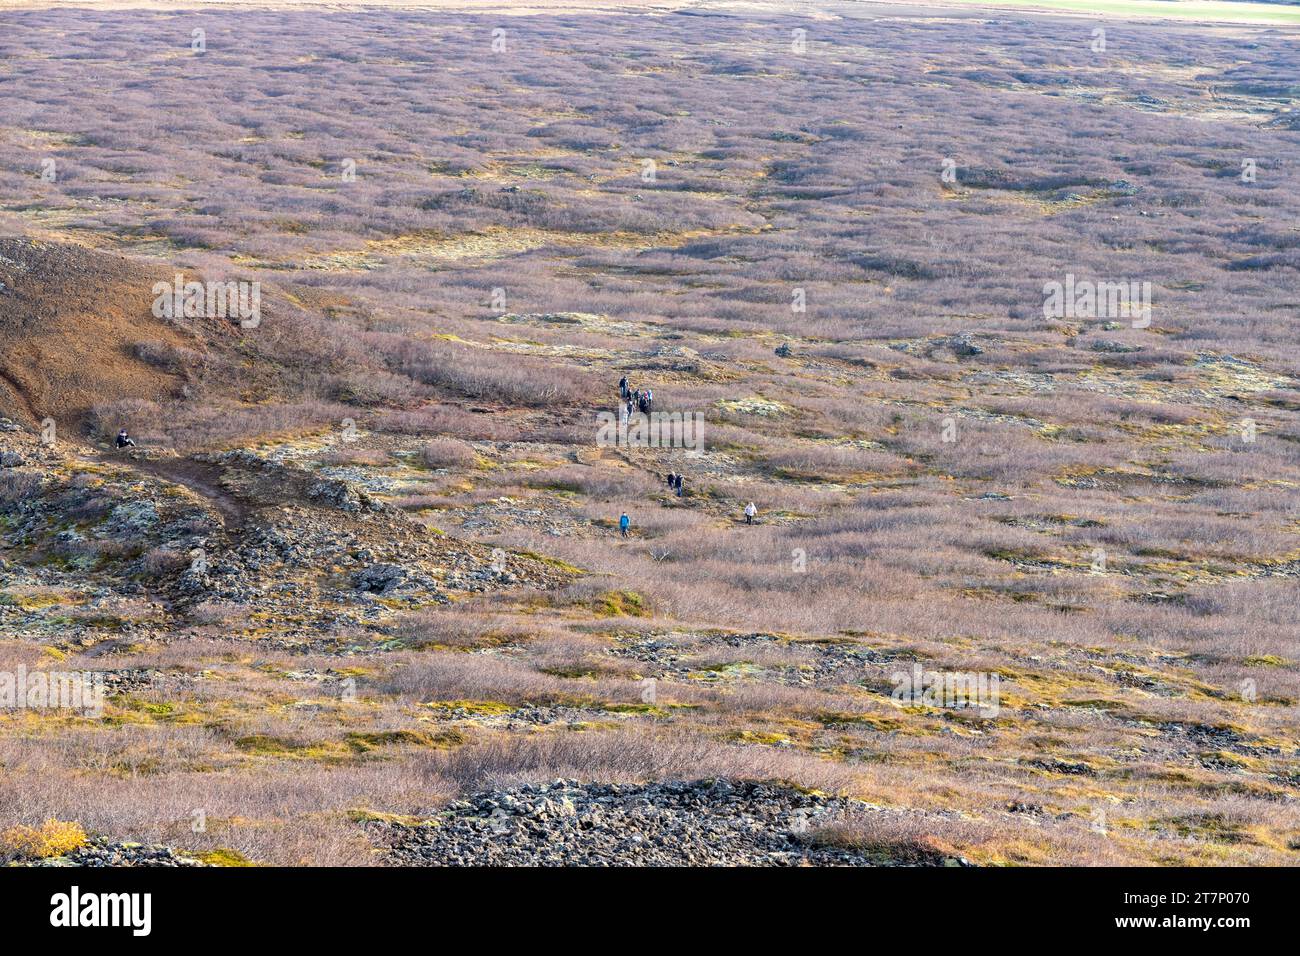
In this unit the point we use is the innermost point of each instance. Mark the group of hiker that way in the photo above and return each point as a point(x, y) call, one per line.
point(625, 523)
point(635, 399)
point(643, 401)
point(640, 400)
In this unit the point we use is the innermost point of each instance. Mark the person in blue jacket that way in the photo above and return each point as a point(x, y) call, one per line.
point(623, 522)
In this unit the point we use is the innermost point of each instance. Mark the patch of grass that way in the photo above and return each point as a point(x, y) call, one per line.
point(363, 742)
point(361, 815)
point(553, 562)
point(874, 721)
point(1266, 660)
point(757, 737)
point(152, 708)
point(649, 709)
point(620, 604)
point(269, 746)
point(32, 602)
point(480, 708)
point(223, 856)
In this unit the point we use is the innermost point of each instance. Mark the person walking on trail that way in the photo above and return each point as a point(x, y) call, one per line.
point(622, 387)
point(678, 487)
point(124, 440)
point(629, 406)
point(672, 481)
point(623, 523)
point(750, 511)
point(649, 400)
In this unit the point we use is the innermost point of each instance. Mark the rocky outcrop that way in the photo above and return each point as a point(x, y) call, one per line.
point(102, 853)
point(706, 822)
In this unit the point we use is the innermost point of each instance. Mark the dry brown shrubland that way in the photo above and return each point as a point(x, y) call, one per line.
point(1087, 523)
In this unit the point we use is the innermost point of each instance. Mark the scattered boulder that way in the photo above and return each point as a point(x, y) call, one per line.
point(336, 494)
point(692, 823)
point(1110, 345)
point(102, 853)
point(379, 578)
point(963, 344)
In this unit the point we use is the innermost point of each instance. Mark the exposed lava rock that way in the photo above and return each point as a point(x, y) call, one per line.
point(708, 822)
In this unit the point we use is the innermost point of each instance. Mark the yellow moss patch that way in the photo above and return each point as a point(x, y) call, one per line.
point(222, 856)
point(620, 604)
point(757, 737)
point(553, 562)
point(353, 671)
point(648, 709)
point(1266, 660)
point(367, 741)
point(361, 815)
point(152, 708)
point(33, 602)
point(874, 721)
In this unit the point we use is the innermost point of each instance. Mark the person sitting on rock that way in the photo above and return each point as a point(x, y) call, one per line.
point(124, 440)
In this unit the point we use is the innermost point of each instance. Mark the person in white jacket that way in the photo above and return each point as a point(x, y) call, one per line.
point(750, 511)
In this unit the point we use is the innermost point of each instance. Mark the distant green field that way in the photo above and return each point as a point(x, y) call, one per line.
point(1175, 9)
